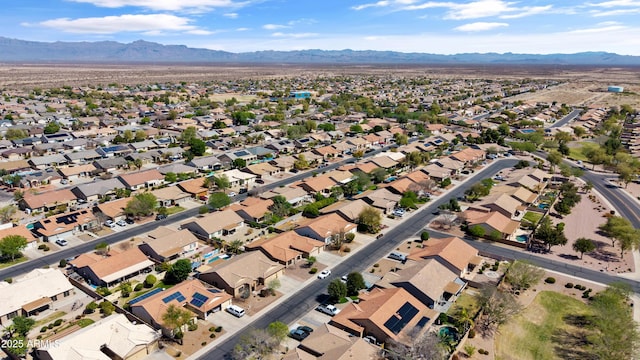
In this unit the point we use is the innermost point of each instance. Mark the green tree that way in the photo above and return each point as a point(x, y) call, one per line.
point(171, 177)
point(615, 228)
point(142, 204)
point(239, 163)
point(175, 318)
point(235, 246)
point(549, 234)
point(301, 163)
point(197, 147)
point(281, 207)
point(149, 281)
point(188, 134)
point(22, 325)
point(140, 136)
point(369, 220)
point(378, 175)
point(278, 330)
point(355, 283)
point(584, 245)
point(7, 212)
point(178, 272)
point(522, 275)
point(16, 134)
point(219, 200)
point(337, 289)
point(222, 182)
point(52, 127)
point(477, 231)
point(554, 158)
point(107, 308)
point(11, 246)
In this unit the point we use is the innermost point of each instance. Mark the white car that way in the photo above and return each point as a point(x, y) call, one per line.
point(328, 309)
point(344, 278)
point(110, 223)
point(62, 242)
point(232, 194)
point(399, 212)
point(324, 274)
point(122, 223)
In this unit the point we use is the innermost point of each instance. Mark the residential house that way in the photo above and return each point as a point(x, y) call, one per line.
point(111, 269)
point(214, 225)
point(73, 173)
point(229, 157)
point(340, 176)
point(97, 189)
point(38, 290)
point(535, 180)
point(436, 172)
point(321, 184)
point(21, 230)
point(170, 196)
point(327, 152)
point(330, 343)
point(262, 169)
point(295, 196)
point(62, 226)
point(287, 248)
point(348, 210)
point(206, 163)
point(46, 201)
point(384, 162)
point(113, 210)
point(239, 178)
point(83, 157)
point(519, 193)
point(284, 163)
point(43, 162)
point(325, 227)
point(469, 156)
point(493, 222)
point(452, 165)
point(386, 314)
point(253, 209)
point(243, 274)
point(113, 337)
point(197, 297)
point(454, 253)
point(142, 179)
point(508, 206)
point(164, 244)
point(381, 198)
point(194, 187)
point(110, 165)
point(177, 168)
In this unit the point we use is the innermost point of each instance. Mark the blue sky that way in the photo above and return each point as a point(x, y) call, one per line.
point(433, 26)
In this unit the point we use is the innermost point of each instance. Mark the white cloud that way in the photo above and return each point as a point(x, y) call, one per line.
point(243, 29)
point(382, 3)
point(599, 29)
point(150, 23)
point(294, 35)
point(480, 26)
point(616, 3)
point(274, 26)
point(231, 15)
point(168, 5)
point(528, 11)
point(618, 12)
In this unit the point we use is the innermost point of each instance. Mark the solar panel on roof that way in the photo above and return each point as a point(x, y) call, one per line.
point(398, 321)
point(144, 296)
point(175, 296)
point(198, 300)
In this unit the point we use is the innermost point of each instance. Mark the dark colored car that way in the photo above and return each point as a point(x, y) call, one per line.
point(161, 217)
point(298, 334)
point(305, 329)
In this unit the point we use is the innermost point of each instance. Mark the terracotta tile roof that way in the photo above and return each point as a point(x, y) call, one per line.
point(114, 208)
point(75, 170)
point(216, 221)
point(20, 230)
point(401, 185)
point(326, 150)
point(252, 265)
point(49, 198)
point(64, 222)
point(172, 243)
point(494, 219)
point(118, 265)
point(417, 176)
point(329, 224)
point(286, 246)
point(340, 176)
point(170, 193)
point(319, 183)
point(383, 162)
point(256, 207)
point(452, 250)
point(330, 343)
point(349, 209)
point(193, 186)
point(141, 177)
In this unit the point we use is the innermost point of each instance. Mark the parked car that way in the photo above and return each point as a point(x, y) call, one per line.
point(344, 278)
point(121, 223)
point(129, 221)
point(62, 242)
point(161, 217)
point(324, 274)
point(204, 198)
point(397, 256)
point(298, 334)
point(235, 310)
point(371, 340)
point(110, 224)
point(399, 212)
point(328, 309)
point(232, 194)
point(305, 329)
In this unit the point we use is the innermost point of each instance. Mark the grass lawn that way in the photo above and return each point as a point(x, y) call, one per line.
point(549, 328)
point(56, 315)
point(8, 262)
point(575, 153)
point(464, 301)
point(174, 209)
point(84, 322)
point(532, 216)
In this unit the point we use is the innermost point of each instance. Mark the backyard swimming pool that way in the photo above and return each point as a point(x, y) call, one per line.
point(522, 238)
point(448, 331)
point(527, 131)
point(543, 206)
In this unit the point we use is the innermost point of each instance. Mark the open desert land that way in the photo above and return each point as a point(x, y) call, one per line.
point(582, 79)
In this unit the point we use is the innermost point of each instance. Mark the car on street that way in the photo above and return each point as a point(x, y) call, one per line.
point(161, 217)
point(62, 242)
point(110, 224)
point(299, 334)
point(328, 309)
point(324, 274)
point(344, 278)
point(232, 194)
point(121, 223)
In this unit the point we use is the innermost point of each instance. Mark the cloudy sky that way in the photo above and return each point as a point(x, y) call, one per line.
point(442, 27)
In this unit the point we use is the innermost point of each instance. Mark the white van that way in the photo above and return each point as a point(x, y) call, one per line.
point(236, 311)
point(398, 256)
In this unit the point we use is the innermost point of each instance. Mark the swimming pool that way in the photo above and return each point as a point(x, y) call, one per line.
point(527, 131)
point(543, 206)
point(522, 238)
point(449, 332)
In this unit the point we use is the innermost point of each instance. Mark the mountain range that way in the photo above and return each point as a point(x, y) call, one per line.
point(15, 50)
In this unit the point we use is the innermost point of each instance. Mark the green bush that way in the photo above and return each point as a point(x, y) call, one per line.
point(568, 285)
point(193, 327)
point(138, 287)
point(50, 326)
point(63, 263)
point(424, 236)
point(577, 286)
point(218, 329)
point(313, 270)
point(149, 281)
point(212, 329)
point(376, 265)
point(58, 322)
point(550, 280)
point(212, 336)
point(346, 249)
point(43, 329)
point(472, 333)
point(349, 237)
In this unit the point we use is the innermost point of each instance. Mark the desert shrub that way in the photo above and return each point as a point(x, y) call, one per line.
point(577, 286)
point(138, 287)
point(212, 336)
point(50, 326)
point(43, 329)
point(193, 327)
point(346, 249)
point(212, 329)
point(550, 280)
point(313, 270)
point(568, 285)
point(424, 236)
point(204, 343)
point(349, 237)
point(376, 265)
point(472, 333)
point(218, 329)
point(57, 322)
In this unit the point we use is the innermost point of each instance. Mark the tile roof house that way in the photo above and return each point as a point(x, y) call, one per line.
point(320, 184)
point(294, 195)
point(193, 295)
point(114, 210)
point(113, 337)
point(349, 210)
point(111, 269)
point(164, 244)
point(340, 176)
point(170, 196)
point(533, 179)
point(253, 209)
point(428, 280)
point(453, 252)
point(194, 187)
point(262, 169)
point(63, 225)
point(502, 203)
point(323, 228)
point(243, 274)
point(38, 290)
point(519, 193)
point(287, 248)
point(381, 198)
point(386, 314)
point(142, 179)
point(214, 225)
point(330, 343)
point(239, 178)
point(47, 200)
point(469, 155)
point(95, 190)
point(74, 172)
point(492, 221)
point(284, 163)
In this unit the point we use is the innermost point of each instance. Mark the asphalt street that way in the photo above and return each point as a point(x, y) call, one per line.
point(570, 116)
